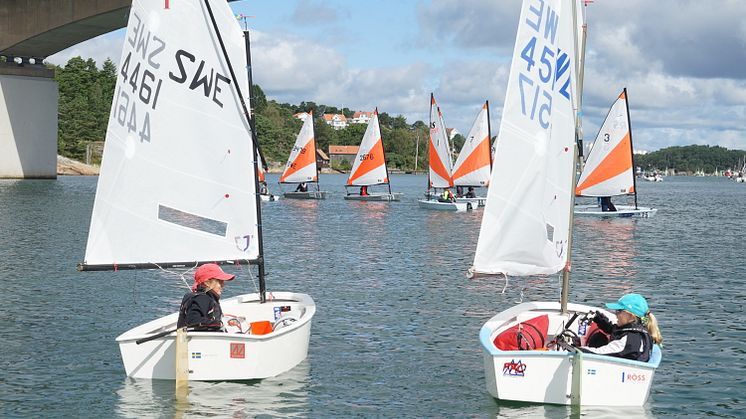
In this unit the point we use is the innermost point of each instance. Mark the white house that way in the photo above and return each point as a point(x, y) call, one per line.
point(360, 117)
point(336, 120)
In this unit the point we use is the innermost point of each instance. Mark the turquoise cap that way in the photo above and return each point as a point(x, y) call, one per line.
point(634, 303)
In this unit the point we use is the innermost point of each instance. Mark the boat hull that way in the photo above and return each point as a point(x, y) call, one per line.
point(219, 356)
point(561, 377)
point(623, 211)
point(444, 206)
point(394, 196)
point(305, 195)
point(269, 198)
point(478, 201)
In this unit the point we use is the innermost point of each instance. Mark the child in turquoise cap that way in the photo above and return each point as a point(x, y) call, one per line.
point(635, 332)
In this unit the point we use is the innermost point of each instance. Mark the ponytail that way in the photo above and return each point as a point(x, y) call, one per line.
point(652, 324)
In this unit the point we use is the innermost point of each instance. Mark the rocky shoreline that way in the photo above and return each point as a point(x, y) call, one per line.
point(70, 167)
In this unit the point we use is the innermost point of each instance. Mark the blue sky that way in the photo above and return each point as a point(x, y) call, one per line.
point(682, 61)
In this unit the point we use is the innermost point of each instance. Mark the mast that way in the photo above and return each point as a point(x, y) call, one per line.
point(565, 293)
point(631, 146)
point(489, 131)
point(250, 119)
point(429, 144)
point(416, 151)
point(383, 151)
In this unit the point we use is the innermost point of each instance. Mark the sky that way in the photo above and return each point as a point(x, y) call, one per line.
point(683, 62)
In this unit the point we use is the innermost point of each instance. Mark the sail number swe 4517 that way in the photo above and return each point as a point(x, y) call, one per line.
point(546, 65)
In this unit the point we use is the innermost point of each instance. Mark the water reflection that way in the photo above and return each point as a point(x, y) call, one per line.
point(608, 248)
point(285, 396)
point(525, 410)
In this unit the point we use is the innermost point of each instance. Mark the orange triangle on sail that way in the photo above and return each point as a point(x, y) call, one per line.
point(616, 162)
point(479, 158)
point(436, 164)
point(306, 157)
point(373, 160)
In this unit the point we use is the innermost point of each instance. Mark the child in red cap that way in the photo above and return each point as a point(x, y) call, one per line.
point(200, 308)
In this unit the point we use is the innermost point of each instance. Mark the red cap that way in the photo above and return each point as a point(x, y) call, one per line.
point(207, 272)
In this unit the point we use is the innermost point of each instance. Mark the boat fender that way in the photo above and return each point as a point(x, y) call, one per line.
point(528, 335)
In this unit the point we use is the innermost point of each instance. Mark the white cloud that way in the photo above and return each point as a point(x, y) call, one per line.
point(99, 48)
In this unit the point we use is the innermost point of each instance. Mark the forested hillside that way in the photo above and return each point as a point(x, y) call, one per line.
point(691, 159)
point(86, 93)
point(85, 101)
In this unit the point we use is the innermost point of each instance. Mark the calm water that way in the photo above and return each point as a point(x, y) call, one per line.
point(396, 332)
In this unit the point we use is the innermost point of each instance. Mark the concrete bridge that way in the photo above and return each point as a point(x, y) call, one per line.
point(30, 31)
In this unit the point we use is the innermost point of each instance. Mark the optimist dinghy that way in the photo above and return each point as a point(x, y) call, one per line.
point(301, 166)
point(474, 162)
point(609, 169)
point(178, 188)
point(370, 166)
point(441, 165)
point(528, 349)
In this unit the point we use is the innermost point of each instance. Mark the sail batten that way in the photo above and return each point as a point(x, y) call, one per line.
point(177, 139)
point(525, 226)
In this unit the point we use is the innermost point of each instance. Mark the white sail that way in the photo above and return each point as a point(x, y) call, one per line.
point(369, 167)
point(439, 149)
point(176, 184)
point(473, 165)
point(608, 170)
point(301, 165)
point(525, 224)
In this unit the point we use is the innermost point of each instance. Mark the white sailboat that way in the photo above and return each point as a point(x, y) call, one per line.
point(178, 188)
point(526, 228)
point(474, 163)
point(301, 167)
point(370, 167)
point(609, 169)
point(441, 166)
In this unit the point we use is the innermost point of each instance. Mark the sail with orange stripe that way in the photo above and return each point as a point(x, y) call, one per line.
point(474, 163)
point(301, 166)
point(608, 170)
point(369, 167)
point(260, 167)
point(439, 149)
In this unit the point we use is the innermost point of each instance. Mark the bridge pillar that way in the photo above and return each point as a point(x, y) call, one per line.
point(28, 122)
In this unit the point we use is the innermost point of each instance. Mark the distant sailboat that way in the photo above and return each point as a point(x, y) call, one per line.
point(609, 169)
point(177, 190)
point(301, 167)
point(261, 167)
point(369, 167)
point(441, 166)
point(474, 163)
